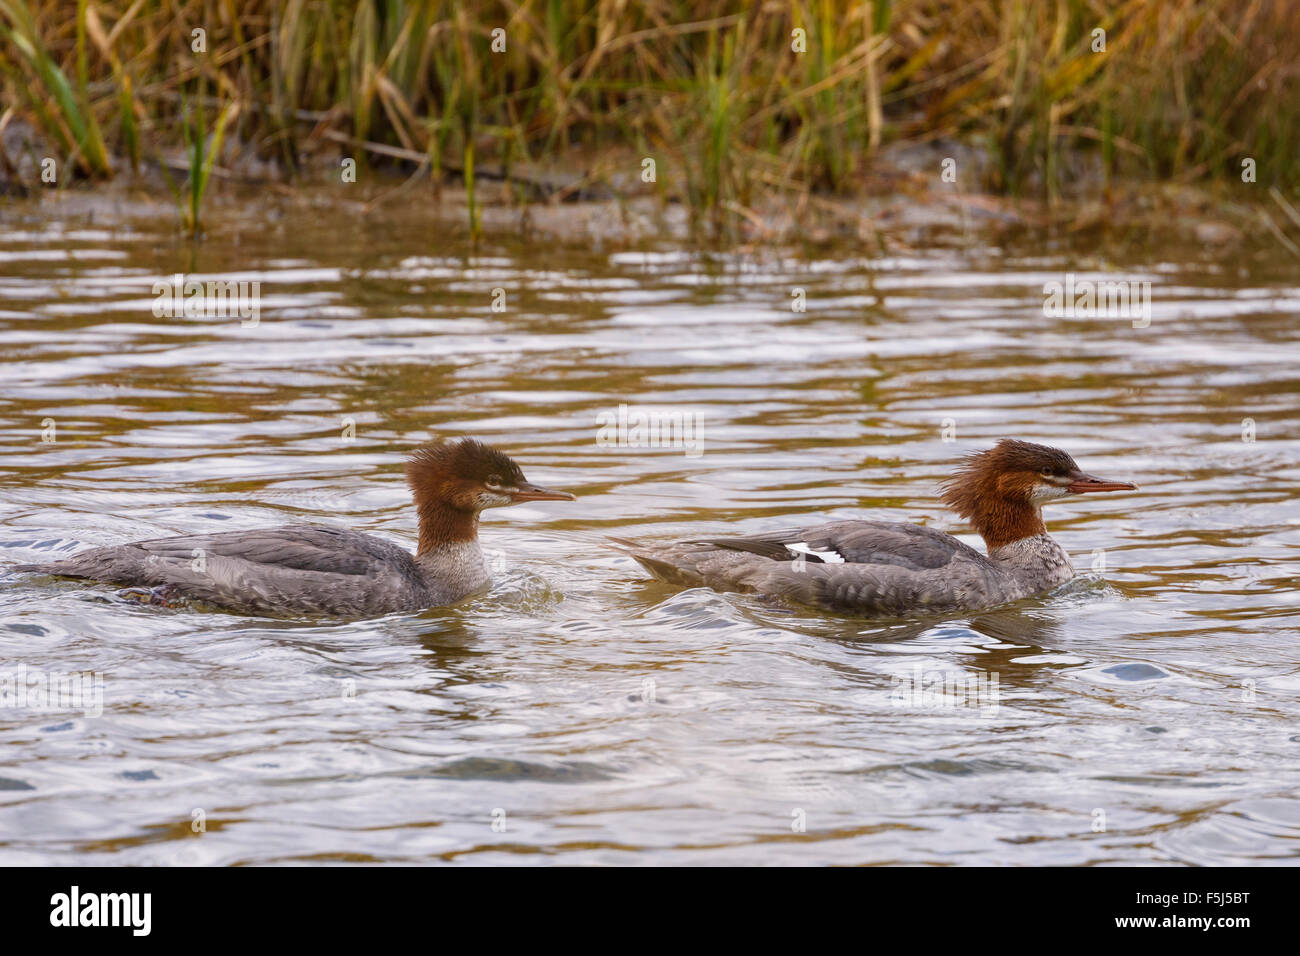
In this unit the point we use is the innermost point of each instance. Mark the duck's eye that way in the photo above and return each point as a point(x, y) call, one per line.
point(1047, 473)
point(494, 481)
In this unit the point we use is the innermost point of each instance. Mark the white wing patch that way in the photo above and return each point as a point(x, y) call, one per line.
point(829, 557)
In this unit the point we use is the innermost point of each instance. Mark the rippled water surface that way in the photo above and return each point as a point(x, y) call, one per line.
point(1148, 711)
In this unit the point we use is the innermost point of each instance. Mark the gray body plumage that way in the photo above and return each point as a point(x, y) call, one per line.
point(293, 569)
point(888, 568)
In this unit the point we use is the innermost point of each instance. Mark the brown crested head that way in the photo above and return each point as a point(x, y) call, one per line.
point(453, 481)
point(457, 472)
point(1001, 491)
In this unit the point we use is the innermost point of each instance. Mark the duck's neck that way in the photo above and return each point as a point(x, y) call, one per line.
point(1018, 543)
point(1014, 533)
point(444, 527)
point(448, 555)
point(1002, 522)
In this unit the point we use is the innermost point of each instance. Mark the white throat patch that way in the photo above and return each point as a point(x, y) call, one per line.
point(1048, 492)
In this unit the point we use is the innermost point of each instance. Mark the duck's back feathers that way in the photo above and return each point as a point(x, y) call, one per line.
point(266, 570)
point(872, 567)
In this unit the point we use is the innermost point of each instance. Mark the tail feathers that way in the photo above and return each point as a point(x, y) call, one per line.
point(664, 570)
point(117, 565)
point(54, 567)
point(669, 572)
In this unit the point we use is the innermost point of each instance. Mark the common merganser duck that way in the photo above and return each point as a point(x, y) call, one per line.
point(887, 568)
point(313, 570)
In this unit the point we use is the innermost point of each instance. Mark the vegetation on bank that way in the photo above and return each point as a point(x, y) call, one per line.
point(733, 101)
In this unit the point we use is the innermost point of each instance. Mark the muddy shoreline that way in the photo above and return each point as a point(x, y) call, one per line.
point(904, 204)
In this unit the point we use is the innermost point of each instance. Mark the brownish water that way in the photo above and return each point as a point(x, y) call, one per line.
point(1149, 713)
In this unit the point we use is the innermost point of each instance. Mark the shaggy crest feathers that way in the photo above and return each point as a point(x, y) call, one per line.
point(464, 459)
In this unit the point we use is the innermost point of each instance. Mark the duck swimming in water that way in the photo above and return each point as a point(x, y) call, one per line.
point(333, 571)
point(888, 568)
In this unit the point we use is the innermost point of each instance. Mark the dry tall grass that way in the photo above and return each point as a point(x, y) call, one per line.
point(1184, 90)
